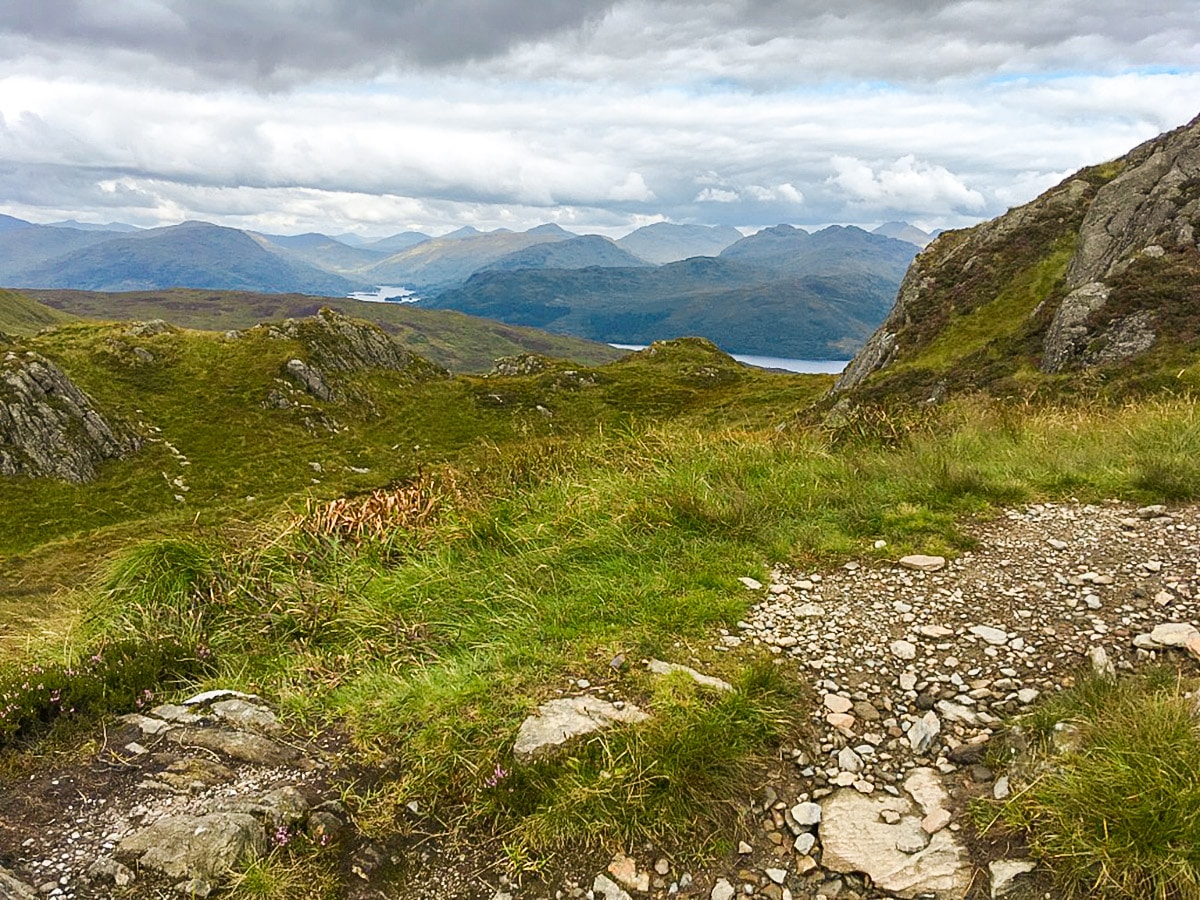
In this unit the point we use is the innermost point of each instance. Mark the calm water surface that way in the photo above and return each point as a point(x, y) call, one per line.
point(803, 366)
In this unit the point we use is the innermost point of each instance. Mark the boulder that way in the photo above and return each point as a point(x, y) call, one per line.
point(203, 847)
point(12, 888)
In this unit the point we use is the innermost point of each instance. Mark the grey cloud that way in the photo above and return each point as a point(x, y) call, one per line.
point(274, 41)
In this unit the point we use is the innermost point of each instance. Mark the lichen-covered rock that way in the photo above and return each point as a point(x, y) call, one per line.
point(48, 427)
point(558, 722)
point(205, 847)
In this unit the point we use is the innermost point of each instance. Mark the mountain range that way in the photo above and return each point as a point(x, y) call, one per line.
point(772, 292)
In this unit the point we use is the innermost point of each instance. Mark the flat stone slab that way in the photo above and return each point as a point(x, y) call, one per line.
point(921, 563)
point(239, 745)
point(557, 722)
point(658, 667)
point(856, 838)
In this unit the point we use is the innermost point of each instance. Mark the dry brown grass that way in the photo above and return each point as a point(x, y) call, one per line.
point(375, 516)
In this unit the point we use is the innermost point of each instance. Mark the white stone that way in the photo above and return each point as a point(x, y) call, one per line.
point(751, 583)
point(722, 890)
point(837, 703)
point(921, 563)
point(1005, 873)
point(804, 843)
point(1025, 696)
point(807, 815)
point(658, 667)
point(855, 839)
point(849, 761)
point(558, 721)
point(604, 887)
point(994, 636)
point(903, 650)
point(779, 876)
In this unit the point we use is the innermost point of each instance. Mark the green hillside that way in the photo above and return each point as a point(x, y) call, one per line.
point(459, 342)
point(19, 315)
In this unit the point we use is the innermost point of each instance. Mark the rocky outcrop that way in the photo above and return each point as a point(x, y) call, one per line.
point(1071, 269)
point(49, 428)
point(337, 344)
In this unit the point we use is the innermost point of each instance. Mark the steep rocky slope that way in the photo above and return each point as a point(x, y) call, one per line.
point(1101, 270)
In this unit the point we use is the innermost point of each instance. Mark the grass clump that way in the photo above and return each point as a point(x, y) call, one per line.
point(1114, 808)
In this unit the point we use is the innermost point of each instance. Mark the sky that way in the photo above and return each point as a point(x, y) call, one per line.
point(379, 116)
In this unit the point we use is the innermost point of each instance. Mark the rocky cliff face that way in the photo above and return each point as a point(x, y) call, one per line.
point(1096, 271)
point(48, 426)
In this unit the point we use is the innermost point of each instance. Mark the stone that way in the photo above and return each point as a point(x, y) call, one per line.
point(854, 838)
point(849, 761)
point(323, 827)
point(911, 839)
point(935, 821)
point(804, 843)
point(150, 727)
point(1102, 666)
point(606, 889)
point(1005, 872)
point(1025, 696)
point(557, 722)
point(207, 697)
point(625, 871)
point(49, 428)
point(12, 888)
point(995, 636)
point(658, 667)
point(195, 846)
point(925, 786)
point(779, 876)
point(921, 563)
point(1057, 544)
point(239, 745)
point(956, 712)
point(903, 650)
point(744, 849)
point(751, 584)
point(843, 722)
point(249, 716)
point(106, 871)
point(1001, 790)
point(923, 731)
point(837, 703)
point(722, 890)
point(807, 815)
point(935, 631)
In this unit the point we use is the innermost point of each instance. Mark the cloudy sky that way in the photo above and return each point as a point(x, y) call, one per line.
point(376, 116)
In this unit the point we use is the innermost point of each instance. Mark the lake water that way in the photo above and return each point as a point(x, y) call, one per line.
point(802, 366)
point(386, 294)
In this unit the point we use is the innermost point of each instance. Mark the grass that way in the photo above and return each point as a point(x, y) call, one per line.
point(19, 315)
point(1115, 812)
point(513, 535)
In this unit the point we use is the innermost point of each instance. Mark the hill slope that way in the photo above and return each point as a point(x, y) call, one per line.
point(20, 315)
point(1099, 275)
point(458, 342)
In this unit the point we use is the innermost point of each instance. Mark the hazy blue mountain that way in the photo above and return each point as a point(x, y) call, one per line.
point(782, 292)
point(902, 231)
point(322, 251)
point(9, 222)
point(572, 253)
point(194, 254)
point(397, 242)
point(664, 242)
point(452, 259)
point(24, 246)
point(115, 227)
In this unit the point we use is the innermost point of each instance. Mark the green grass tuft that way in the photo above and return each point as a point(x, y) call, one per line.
point(1115, 810)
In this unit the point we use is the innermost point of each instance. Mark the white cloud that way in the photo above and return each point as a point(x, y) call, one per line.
point(717, 195)
point(904, 184)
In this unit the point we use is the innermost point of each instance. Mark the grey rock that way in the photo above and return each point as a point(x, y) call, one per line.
point(804, 843)
point(557, 722)
point(107, 871)
point(921, 563)
point(658, 667)
point(606, 888)
point(955, 712)
point(49, 428)
point(1005, 872)
point(903, 650)
point(310, 378)
point(283, 807)
point(206, 847)
point(239, 745)
point(13, 888)
point(854, 838)
point(722, 890)
point(1102, 666)
point(807, 815)
point(923, 731)
point(995, 636)
point(207, 697)
point(245, 715)
point(1068, 332)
